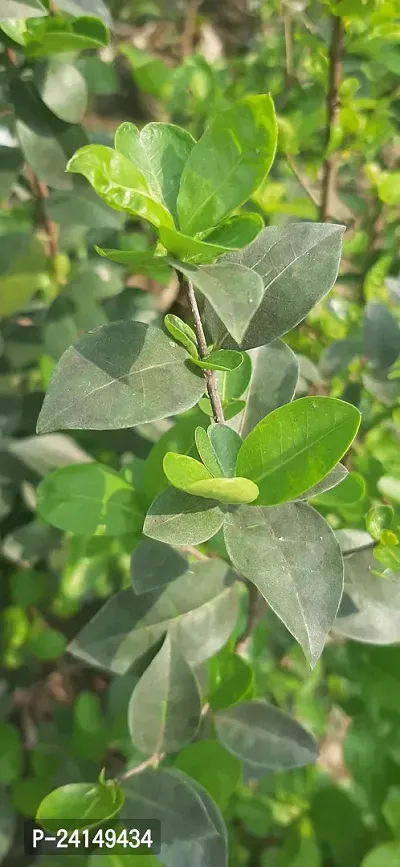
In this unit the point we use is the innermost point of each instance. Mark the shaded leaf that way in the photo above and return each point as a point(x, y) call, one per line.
point(199, 611)
point(291, 554)
point(120, 375)
point(295, 446)
point(335, 477)
point(220, 359)
point(348, 491)
point(265, 736)
point(273, 381)
point(226, 444)
point(182, 333)
point(212, 766)
point(155, 564)
point(298, 264)
point(234, 292)
point(164, 710)
point(381, 337)
point(22, 9)
point(206, 452)
point(62, 88)
point(189, 249)
point(182, 519)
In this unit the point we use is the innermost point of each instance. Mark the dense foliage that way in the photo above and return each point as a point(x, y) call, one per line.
point(199, 282)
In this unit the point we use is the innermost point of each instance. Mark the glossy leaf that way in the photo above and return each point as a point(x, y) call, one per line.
point(182, 333)
point(80, 805)
point(206, 452)
point(59, 35)
point(220, 359)
point(237, 232)
point(119, 183)
point(265, 736)
point(227, 164)
point(198, 610)
point(155, 564)
point(189, 249)
point(298, 264)
point(292, 556)
point(89, 499)
point(159, 151)
point(234, 292)
point(120, 375)
point(296, 446)
point(164, 710)
point(226, 444)
point(273, 381)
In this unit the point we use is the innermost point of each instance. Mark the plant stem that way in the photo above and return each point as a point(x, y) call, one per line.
point(209, 375)
point(256, 607)
point(41, 193)
point(332, 109)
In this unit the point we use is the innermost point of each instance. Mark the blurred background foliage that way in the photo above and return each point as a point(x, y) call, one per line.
point(67, 78)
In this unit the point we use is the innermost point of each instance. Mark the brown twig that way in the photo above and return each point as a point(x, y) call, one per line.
point(40, 192)
point(255, 609)
point(209, 375)
point(189, 28)
point(332, 109)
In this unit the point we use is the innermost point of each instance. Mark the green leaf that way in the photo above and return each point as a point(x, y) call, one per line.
point(230, 680)
point(189, 249)
point(385, 855)
point(335, 477)
point(234, 292)
point(164, 710)
point(265, 736)
point(347, 492)
point(231, 408)
point(89, 7)
point(120, 375)
point(234, 491)
point(182, 519)
point(22, 9)
point(232, 384)
point(227, 164)
point(273, 381)
point(155, 564)
point(206, 452)
point(191, 476)
point(80, 805)
point(46, 141)
point(119, 183)
point(89, 499)
point(182, 471)
point(182, 332)
point(10, 754)
point(57, 35)
point(199, 610)
point(159, 151)
point(46, 644)
point(22, 259)
point(381, 337)
point(237, 232)
point(296, 446)
point(292, 556)
point(220, 359)
point(389, 486)
point(138, 263)
point(213, 767)
point(378, 519)
point(62, 88)
point(179, 438)
point(226, 444)
point(298, 264)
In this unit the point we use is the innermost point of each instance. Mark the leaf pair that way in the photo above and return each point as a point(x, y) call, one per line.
point(284, 457)
point(219, 359)
point(184, 188)
point(214, 478)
